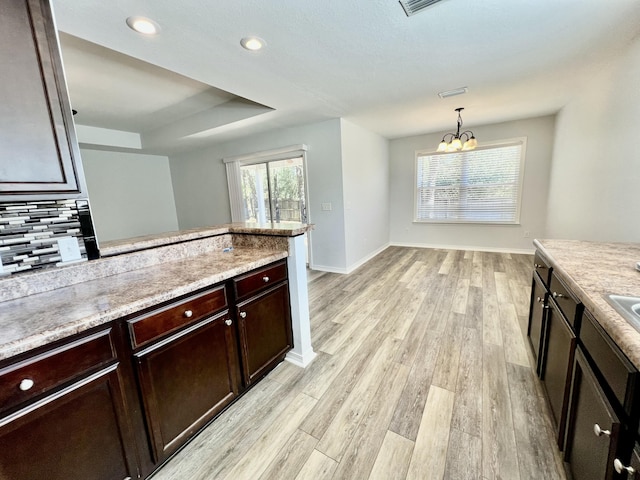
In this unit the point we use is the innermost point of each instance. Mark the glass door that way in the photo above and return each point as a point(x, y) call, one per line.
point(274, 191)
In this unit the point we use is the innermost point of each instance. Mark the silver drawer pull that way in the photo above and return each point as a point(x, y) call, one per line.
point(228, 321)
point(558, 295)
point(265, 279)
point(26, 384)
point(537, 265)
point(599, 431)
point(243, 314)
point(188, 313)
point(620, 467)
point(539, 300)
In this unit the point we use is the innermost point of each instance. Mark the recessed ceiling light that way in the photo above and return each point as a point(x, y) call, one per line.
point(252, 43)
point(143, 25)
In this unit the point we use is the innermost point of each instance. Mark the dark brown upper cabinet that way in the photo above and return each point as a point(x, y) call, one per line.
point(39, 154)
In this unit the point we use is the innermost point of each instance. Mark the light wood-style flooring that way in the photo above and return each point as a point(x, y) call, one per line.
point(422, 373)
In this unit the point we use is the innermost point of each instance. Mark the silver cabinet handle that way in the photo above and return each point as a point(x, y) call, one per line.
point(265, 279)
point(599, 431)
point(26, 384)
point(188, 313)
point(228, 321)
point(620, 467)
point(557, 295)
point(537, 265)
point(243, 314)
point(539, 300)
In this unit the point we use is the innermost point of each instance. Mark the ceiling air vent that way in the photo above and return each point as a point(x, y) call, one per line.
point(412, 7)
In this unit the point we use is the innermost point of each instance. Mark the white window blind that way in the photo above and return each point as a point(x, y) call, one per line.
point(477, 186)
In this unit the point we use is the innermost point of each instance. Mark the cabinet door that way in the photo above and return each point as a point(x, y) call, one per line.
point(265, 331)
point(593, 430)
point(537, 317)
point(186, 380)
point(559, 347)
point(38, 148)
point(79, 432)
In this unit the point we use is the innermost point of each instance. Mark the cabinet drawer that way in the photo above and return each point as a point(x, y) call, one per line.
point(570, 306)
point(258, 280)
point(542, 267)
point(613, 367)
point(27, 379)
point(161, 322)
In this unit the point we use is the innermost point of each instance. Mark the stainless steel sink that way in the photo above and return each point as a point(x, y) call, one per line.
point(628, 307)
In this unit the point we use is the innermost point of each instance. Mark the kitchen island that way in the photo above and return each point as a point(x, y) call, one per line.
point(129, 356)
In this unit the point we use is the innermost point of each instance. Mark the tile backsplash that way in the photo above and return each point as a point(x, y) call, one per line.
point(29, 233)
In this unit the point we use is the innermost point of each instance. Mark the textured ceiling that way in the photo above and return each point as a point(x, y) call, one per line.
point(359, 59)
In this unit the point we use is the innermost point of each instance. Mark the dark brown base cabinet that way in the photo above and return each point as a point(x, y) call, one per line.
point(79, 431)
point(186, 380)
point(590, 385)
point(594, 429)
point(555, 372)
point(116, 402)
point(265, 333)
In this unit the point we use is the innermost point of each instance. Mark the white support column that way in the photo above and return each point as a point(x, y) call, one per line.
point(302, 353)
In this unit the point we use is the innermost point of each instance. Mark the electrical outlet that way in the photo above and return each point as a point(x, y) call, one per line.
point(69, 249)
point(526, 234)
point(326, 207)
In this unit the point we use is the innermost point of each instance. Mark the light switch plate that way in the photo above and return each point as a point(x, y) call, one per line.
point(69, 249)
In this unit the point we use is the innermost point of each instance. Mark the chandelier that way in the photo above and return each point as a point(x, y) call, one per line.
point(455, 143)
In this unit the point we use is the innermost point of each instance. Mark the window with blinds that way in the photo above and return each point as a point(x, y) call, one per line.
point(478, 186)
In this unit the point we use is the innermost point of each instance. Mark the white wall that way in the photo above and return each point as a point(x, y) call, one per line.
point(539, 132)
point(365, 172)
point(200, 185)
point(130, 194)
point(595, 181)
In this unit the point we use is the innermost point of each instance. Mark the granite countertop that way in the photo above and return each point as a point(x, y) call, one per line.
point(284, 229)
point(592, 270)
point(38, 319)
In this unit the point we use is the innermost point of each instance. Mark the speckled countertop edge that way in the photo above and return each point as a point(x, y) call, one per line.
point(594, 269)
point(118, 247)
point(37, 320)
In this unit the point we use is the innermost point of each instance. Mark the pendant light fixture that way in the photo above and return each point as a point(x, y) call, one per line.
point(455, 144)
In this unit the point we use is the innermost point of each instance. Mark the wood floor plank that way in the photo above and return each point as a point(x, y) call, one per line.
point(473, 314)
point(344, 424)
point(467, 409)
point(393, 459)
point(464, 457)
point(291, 458)
point(445, 374)
point(318, 467)
point(428, 460)
point(535, 442)
point(271, 442)
point(459, 302)
point(503, 291)
point(357, 320)
point(408, 415)
point(515, 350)
point(476, 270)
point(498, 437)
point(521, 295)
point(491, 330)
point(361, 453)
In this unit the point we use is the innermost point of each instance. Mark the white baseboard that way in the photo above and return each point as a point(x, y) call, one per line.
point(523, 251)
point(350, 268)
point(300, 360)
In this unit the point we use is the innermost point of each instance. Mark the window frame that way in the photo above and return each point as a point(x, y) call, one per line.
point(496, 144)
